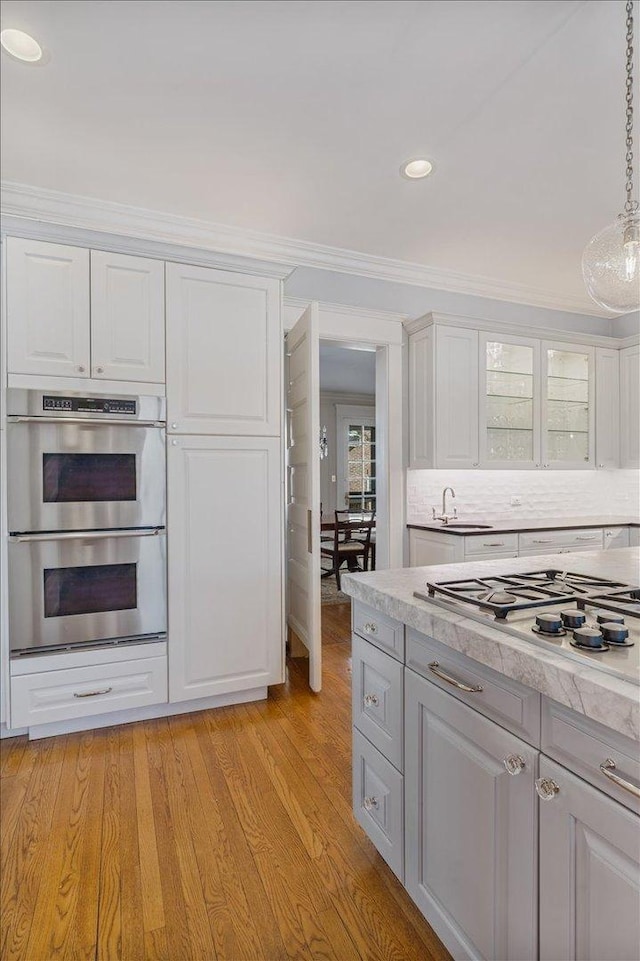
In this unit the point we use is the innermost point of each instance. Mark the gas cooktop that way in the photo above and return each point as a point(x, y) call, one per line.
point(587, 618)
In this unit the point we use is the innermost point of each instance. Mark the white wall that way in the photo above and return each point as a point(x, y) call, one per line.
point(329, 465)
point(552, 493)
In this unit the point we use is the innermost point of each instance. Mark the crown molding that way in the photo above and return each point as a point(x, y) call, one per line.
point(37, 204)
point(301, 303)
point(518, 330)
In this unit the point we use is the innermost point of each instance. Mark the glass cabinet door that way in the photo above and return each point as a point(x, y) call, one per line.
point(567, 406)
point(509, 402)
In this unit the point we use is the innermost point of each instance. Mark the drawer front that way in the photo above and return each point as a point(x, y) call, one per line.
point(378, 802)
point(582, 745)
point(377, 699)
point(616, 537)
point(381, 630)
point(84, 691)
point(509, 703)
point(588, 538)
point(489, 544)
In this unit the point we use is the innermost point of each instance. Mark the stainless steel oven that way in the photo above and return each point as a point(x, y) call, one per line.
point(85, 588)
point(84, 461)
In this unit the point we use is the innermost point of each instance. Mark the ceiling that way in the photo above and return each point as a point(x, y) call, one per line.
point(347, 370)
point(293, 118)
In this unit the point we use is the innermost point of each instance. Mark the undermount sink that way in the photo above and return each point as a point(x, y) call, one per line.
point(475, 527)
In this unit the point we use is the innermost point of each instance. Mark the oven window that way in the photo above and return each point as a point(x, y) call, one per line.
point(90, 590)
point(88, 477)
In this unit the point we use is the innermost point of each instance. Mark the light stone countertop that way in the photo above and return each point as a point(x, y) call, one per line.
point(501, 525)
point(610, 700)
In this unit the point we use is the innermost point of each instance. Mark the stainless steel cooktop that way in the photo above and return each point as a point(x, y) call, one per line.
point(588, 619)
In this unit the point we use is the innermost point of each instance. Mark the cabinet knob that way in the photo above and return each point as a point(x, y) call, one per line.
point(174, 443)
point(513, 764)
point(599, 465)
point(81, 369)
point(99, 370)
point(174, 427)
point(546, 788)
point(370, 803)
point(371, 700)
point(371, 628)
point(475, 464)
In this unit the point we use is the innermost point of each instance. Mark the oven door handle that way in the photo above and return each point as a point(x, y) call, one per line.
point(83, 535)
point(103, 422)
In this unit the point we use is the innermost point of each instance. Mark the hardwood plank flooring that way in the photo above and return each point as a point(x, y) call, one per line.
point(218, 836)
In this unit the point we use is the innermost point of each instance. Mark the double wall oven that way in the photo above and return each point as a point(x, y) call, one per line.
point(86, 517)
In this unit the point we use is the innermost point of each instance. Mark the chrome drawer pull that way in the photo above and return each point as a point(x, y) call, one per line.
point(371, 700)
point(591, 538)
point(493, 544)
point(107, 690)
point(370, 628)
point(542, 541)
point(546, 788)
point(513, 764)
point(434, 667)
point(608, 767)
point(370, 803)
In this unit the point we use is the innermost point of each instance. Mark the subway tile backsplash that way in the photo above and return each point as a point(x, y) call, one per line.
point(542, 493)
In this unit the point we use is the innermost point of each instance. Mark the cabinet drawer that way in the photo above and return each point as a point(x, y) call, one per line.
point(378, 802)
point(377, 698)
point(616, 537)
point(513, 705)
point(381, 630)
point(589, 538)
point(489, 544)
point(582, 745)
point(85, 691)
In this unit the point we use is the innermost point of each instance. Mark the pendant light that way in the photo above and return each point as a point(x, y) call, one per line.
point(611, 259)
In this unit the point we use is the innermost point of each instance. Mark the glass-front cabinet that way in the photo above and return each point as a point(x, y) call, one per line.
point(567, 406)
point(536, 406)
point(509, 407)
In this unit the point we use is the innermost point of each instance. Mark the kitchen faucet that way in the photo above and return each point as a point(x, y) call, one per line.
point(444, 517)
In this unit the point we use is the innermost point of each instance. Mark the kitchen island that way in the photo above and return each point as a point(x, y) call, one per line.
point(498, 777)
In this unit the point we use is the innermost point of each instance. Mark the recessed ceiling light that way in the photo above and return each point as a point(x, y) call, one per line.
point(21, 45)
point(415, 169)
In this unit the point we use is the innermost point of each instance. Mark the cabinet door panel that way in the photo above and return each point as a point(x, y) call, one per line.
point(630, 407)
point(568, 408)
point(456, 397)
point(470, 827)
point(127, 318)
point(509, 402)
point(589, 874)
point(421, 404)
point(225, 566)
point(47, 308)
point(607, 407)
point(224, 352)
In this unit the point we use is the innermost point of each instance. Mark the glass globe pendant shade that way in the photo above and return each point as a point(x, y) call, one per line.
point(611, 265)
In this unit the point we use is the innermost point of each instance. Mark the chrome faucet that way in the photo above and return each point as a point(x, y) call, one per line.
point(444, 517)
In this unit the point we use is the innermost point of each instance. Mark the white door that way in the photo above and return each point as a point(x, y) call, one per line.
point(127, 318)
point(225, 565)
point(303, 495)
point(47, 308)
point(224, 352)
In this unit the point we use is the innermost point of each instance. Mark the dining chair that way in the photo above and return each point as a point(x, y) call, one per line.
point(351, 541)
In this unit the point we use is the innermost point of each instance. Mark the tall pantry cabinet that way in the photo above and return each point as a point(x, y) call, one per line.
point(224, 461)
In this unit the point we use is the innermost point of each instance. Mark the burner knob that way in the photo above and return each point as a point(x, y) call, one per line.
point(606, 617)
point(588, 637)
point(549, 623)
point(573, 619)
point(614, 632)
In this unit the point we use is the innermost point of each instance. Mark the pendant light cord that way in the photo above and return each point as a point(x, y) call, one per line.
point(631, 205)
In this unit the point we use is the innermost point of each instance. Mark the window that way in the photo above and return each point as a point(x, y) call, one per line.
point(361, 467)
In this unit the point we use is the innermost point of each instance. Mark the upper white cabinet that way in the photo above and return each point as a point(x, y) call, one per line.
point(127, 318)
point(567, 406)
point(224, 352)
point(48, 319)
point(607, 407)
point(509, 402)
point(72, 312)
point(630, 406)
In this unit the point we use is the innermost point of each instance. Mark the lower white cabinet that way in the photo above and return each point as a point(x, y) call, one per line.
point(470, 826)
point(225, 565)
point(617, 537)
point(589, 872)
point(378, 801)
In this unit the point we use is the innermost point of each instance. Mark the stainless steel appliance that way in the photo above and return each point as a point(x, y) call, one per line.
point(582, 617)
point(86, 512)
point(84, 461)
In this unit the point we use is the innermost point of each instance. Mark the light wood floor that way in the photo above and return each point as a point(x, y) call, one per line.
point(225, 834)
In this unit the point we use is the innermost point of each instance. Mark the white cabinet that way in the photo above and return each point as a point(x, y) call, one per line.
point(607, 407)
point(72, 312)
point(127, 318)
point(470, 826)
point(432, 547)
point(630, 407)
point(224, 352)
point(225, 565)
point(509, 402)
point(616, 537)
point(48, 314)
point(443, 387)
point(567, 407)
point(589, 872)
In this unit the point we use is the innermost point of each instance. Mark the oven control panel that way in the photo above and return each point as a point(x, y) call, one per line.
point(88, 405)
